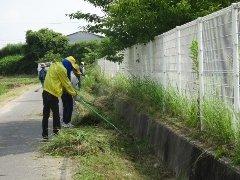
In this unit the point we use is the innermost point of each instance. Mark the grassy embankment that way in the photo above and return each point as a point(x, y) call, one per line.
point(221, 132)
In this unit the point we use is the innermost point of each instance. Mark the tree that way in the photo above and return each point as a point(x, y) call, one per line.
point(87, 51)
point(128, 22)
point(38, 43)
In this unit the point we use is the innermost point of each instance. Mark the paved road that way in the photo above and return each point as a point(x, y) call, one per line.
point(20, 136)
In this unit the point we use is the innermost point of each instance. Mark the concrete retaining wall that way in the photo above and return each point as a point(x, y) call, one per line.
point(185, 158)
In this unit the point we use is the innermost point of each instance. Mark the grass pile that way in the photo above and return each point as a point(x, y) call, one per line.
point(75, 142)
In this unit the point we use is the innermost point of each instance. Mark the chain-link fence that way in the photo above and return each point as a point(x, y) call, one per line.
point(200, 56)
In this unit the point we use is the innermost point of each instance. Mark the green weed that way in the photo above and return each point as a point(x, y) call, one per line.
point(217, 121)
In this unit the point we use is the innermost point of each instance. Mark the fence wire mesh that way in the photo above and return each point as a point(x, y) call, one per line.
point(173, 58)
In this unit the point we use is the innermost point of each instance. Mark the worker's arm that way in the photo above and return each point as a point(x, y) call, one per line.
point(66, 82)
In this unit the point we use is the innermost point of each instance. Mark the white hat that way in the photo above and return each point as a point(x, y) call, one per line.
point(42, 65)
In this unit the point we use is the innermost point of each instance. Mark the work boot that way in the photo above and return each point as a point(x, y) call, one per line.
point(44, 138)
point(69, 125)
point(56, 131)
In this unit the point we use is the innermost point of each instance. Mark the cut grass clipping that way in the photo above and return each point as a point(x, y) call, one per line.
point(105, 154)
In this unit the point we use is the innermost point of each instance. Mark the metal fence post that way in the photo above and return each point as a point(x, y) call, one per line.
point(201, 69)
point(235, 55)
point(150, 53)
point(164, 65)
point(134, 64)
point(104, 65)
point(178, 34)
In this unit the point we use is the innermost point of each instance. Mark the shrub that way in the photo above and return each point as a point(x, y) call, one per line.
point(16, 64)
point(10, 64)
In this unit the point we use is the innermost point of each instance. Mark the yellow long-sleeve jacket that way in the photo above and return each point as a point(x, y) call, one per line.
point(56, 80)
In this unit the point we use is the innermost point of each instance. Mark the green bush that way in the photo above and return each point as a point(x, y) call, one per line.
point(43, 46)
point(10, 64)
point(38, 43)
point(12, 49)
point(16, 64)
point(27, 66)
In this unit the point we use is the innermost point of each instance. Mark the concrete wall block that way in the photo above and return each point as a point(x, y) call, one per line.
point(144, 119)
point(184, 157)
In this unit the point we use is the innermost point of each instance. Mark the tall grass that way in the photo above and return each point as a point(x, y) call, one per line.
point(217, 116)
point(218, 121)
point(147, 92)
point(181, 107)
point(94, 79)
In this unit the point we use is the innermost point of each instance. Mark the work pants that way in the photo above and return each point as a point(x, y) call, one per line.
point(67, 101)
point(50, 103)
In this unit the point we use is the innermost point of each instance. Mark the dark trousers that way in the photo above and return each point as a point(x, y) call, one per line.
point(50, 102)
point(67, 101)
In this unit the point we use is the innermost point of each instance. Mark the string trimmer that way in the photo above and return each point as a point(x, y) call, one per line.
point(91, 107)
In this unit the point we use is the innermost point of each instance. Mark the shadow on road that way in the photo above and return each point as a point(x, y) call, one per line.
point(17, 137)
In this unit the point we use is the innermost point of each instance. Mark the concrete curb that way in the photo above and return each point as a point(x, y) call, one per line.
point(187, 159)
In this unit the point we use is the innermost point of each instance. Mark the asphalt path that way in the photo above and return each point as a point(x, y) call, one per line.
point(20, 138)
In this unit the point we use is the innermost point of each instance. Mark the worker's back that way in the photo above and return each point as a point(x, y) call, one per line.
point(56, 79)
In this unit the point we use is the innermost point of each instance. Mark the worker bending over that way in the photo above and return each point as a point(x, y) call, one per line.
point(55, 82)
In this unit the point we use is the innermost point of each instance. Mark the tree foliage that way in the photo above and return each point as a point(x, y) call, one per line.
point(87, 51)
point(38, 43)
point(50, 57)
point(43, 46)
point(128, 22)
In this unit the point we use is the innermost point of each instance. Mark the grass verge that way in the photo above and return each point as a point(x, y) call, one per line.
point(12, 86)
point(103, 153)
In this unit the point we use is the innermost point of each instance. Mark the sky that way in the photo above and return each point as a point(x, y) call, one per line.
point(18, 16)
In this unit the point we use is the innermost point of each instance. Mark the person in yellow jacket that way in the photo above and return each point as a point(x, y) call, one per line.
point(56, 81)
